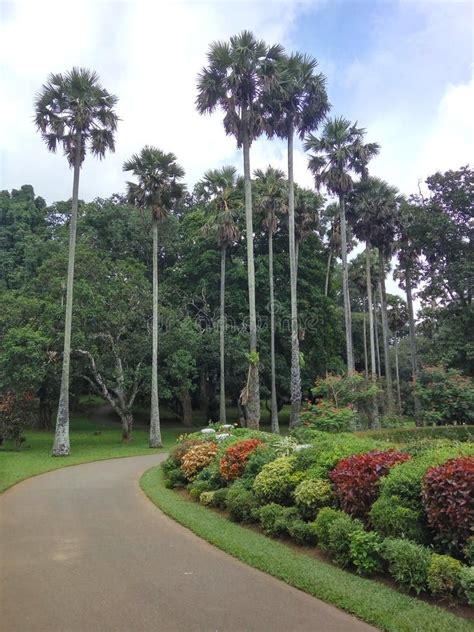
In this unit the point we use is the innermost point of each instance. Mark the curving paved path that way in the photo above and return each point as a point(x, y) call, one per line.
point(83, 550)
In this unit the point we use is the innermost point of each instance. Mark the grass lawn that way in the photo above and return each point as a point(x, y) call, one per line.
point(89, 442)
point(367, 599)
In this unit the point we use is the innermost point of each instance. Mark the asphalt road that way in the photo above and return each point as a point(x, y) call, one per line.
point(83, 550)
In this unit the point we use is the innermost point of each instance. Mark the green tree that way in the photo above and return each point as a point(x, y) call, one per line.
point(219, 190)
point(271, 193)
point(338, 153)
point(296, 105)
point(237, 76)
point(75, 112)
point(157, 190)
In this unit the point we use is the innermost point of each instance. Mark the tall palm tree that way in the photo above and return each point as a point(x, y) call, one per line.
point(337, 154)
point(297, 105)
point(372, 211)
point(73, 111)
point(397, 321)
point(156, 190)
point(271, 190)
point(237, 76)
point(219, 190)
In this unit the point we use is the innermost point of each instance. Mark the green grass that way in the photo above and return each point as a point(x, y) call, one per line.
point(35, 456)
point(367, 599)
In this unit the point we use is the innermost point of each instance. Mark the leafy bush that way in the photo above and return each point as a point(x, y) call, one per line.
point(302, 532)
point(262, 455)
point(196, 488)
point(197, 458)
point(365, 550)
point(390, 518)
point(345, 390)
point(446, 396)
point(413, 435)
point(275, 519)
point(233, 462)
point(207, 498)
point(276, 481)
point(174, 475)
point(241, 503)
point(339, 543)
point(466, 580)
point(284, 446)
point(329, 451)
point(179, 450)
point(326, 417)
point(468, 551)
point(448, 499)
point(408, 563)
point(444, 576)
point(311, 495)
point(356, 478)
point(405, 481)
point(16, 413)
point(211, 474)
point(220, 497)
point(322, 524)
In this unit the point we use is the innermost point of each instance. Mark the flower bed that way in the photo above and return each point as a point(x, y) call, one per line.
point(371, 507)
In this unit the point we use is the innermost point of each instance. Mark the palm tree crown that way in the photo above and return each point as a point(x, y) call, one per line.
point(339, 151)
point(219, 190)
point(157, 188)
point(298, 100)
point(73, 109)
point(271, 195)
point(238, 74)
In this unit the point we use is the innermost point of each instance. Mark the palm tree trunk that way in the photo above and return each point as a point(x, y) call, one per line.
point(155, 430)
point(253, 385)
point(397, 374)
point(274, 407)
point(377, 340)
point(373, 365)
point(295, 381)
point(328, 273)
point(366, 363)
point(345, 289)
point(412, 333)
point(61, 446)
point(222, 415)
point(383, 304)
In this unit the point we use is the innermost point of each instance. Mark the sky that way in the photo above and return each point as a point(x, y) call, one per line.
point(401, 68)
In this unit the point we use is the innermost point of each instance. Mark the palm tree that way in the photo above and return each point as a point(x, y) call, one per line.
point(157, 190)
point(397, 321)
point(337, 154)
point(219, 190)
point(73, 111)
point(331, 223)
point(297, 104)
point(235, 80)
point(271, 196)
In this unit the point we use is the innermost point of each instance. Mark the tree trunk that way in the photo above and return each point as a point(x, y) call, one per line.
point(397, 374)
point(204, 392)
point(345, 289)
point(242, 415)
point(366, 364)
point(155, 430)
point(274, 406)
point(61, 446)
point(328, 273)
point(377, 340)
point(127, 426)
point(186, 407)
point(222, 415)
point(295, 380)
point(412, 334)
point(253, 383)
point(383, 304)
point(373, 366)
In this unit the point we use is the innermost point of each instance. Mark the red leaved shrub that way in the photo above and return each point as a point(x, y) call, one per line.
point(448, 499)
point(356, 479)
point(233, 462)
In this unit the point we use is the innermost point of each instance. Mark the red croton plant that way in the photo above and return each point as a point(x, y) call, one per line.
point(356, 479)
point(448, 500)
point(233, 462)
